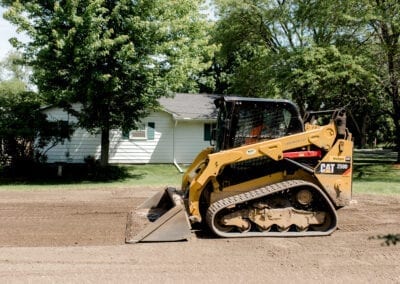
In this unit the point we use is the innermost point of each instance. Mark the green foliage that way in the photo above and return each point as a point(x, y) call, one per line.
point(265, 45)
point(118, 57)
point(24, 129)
point(382, 17)
point(321, 54)
point(13, 68)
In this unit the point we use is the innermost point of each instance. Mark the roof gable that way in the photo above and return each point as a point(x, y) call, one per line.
point(181, 106)
point(190, 106)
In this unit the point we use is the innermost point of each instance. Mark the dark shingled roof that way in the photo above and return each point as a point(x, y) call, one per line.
point(190, 106)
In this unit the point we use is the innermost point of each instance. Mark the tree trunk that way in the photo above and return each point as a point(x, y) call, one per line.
point(396, 118)
point(105, 146)
point(398, 147)
point(391, 41)
point(364, 128)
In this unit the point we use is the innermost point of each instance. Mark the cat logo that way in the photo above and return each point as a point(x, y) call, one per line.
point(327, 168)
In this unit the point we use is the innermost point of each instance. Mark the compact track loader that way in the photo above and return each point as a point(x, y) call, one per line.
point(269, 173)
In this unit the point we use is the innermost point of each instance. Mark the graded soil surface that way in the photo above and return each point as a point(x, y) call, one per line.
point(77, 236)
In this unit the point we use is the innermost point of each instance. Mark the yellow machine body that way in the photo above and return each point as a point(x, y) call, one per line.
point(290, 185)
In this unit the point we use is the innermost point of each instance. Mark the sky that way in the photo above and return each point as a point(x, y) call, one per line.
point(6, 31)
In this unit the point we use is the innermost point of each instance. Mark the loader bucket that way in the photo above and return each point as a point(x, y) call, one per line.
point(162, 218)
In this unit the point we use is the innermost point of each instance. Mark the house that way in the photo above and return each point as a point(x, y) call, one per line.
point(175, 134)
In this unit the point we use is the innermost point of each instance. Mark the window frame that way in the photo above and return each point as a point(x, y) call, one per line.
point(144, 132)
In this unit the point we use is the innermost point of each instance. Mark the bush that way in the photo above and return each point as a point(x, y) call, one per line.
point(25, 131)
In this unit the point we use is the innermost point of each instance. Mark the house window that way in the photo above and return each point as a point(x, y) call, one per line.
point(143, 132)
point(208, 127)
point(139, 133)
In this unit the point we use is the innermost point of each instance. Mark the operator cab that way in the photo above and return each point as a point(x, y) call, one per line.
point(243, 121)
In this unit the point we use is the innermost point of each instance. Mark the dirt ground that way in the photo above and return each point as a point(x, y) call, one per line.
point(77, 236)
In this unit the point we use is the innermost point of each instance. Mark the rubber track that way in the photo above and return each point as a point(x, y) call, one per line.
point(262, 192)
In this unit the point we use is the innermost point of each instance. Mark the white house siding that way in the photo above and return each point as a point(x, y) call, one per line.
point(189, 140)
point(184, 139)
point(158, 150)
point(82, 143)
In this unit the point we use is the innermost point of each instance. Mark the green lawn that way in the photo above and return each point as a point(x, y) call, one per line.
point(135, 175)
point(374, 172)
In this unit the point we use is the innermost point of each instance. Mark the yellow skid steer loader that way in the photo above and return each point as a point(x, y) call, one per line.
point(269, 173)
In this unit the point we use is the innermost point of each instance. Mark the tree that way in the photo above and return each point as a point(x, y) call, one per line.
point(13, 68)
point(114, 57)
point(313, 52)
point(383, 18)
point(24, 129)
point(261, 40)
